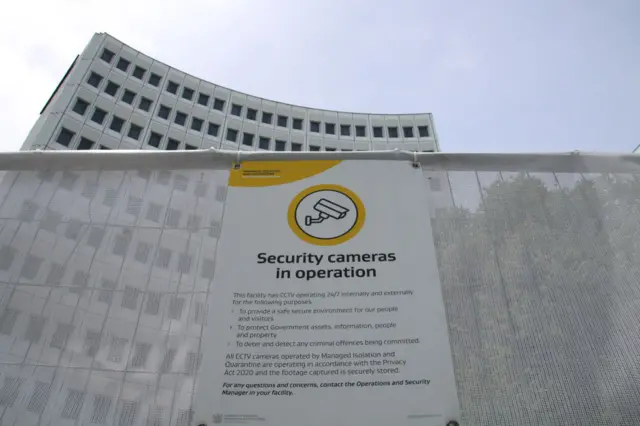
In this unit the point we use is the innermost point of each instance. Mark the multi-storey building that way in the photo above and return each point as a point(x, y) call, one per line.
point(115, 97)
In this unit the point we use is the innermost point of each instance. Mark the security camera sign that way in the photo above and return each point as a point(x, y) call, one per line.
point(326, 214)
point(326, 295)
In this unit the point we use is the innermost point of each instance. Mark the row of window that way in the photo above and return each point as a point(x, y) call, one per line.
point(252, 113)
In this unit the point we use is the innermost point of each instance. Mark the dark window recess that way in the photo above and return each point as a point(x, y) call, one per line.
point(408, 131)
point(187, 93)
point(154, 139)
point(94, 79)
point(172, 144)
point(263, 142)
point(283, 120)
point(377, 132)
point(172, 87)
point(116, 124)
point(314, 148)
point(281, 145)
point(154, 79)
point(213, 129)
point(145, 104)
point(138, 72)
point(423, 131)
point(232, 135)
point(164, 111)
point(107, 55)
point(345, 130)
point(346, 150)
point(111, 88)
point(251, 114)
point(236, 109)
point(65, 136)
point(181, 118)
point(330, 128)
point(218, 104)
point(267, 117)
point(134, 131)
point(196, 124)
point(360, 131)
point(296, 146)
point(123, 64)
point(203, 99)
point(393, 132)
point(190, 147)
point(105, 148)
point(128, 96)
point(80, 106)
point(98, 115)
point(297, 124)
point(329, 149)
point(314, 126)
point(85, 144)
point(247, 139)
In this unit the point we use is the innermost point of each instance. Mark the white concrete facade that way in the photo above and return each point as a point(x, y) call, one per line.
point(115, 97)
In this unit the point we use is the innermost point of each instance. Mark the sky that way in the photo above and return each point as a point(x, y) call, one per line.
point(498, 75)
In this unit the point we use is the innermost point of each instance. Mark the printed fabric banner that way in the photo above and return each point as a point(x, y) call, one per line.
point(326, 304)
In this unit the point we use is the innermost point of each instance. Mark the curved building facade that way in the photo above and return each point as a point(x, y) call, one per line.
point(115, 97)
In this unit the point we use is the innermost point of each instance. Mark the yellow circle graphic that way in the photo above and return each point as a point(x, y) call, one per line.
point(326, 215)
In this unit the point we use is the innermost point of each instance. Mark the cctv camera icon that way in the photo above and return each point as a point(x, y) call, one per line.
point(327, 209)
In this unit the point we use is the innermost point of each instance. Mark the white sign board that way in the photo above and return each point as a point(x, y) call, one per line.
point(327, 307)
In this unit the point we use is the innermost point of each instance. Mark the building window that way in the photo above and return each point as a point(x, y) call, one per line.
point(281, 145)
point(314, 126)
point(251, 114)
point(154, 139)
point(65, 136)
point(345, 130)
point(80, 106)
point(314, 148)
point(111, 88)
point(98, 115)
point(236, 109)
point(330, 128)
point(164, 111)
point(213, 129)
point(172, 87)
point(423, 131)
point(116, 124)
point(232, 135)
point(263, 142)
point(267, 117)
point(190, 147)
point(247, 139)
point(203, 99)
point(408, 131)
point(346, 150)
point(283, 120)
point(128, 96)
point(187, 93)
point(393, 132)
point(296, 146)
point(107, 55)
point(196, 124)
point(134, 131)
point(218, 104)
point(105, 148)
point(361, 132)
point(172, 144)
point(145, 104)
point(154, 79)
point(123, 64)
point(180, 118)
point(377, 132)
point(138, 72)
point(328, 149)
point(85, 144)
point(94, 79)
point(297, 124)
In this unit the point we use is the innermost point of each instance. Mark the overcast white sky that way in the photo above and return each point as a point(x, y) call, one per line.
point(498, 75)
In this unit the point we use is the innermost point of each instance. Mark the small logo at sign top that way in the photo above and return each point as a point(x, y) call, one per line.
point(326, 215)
